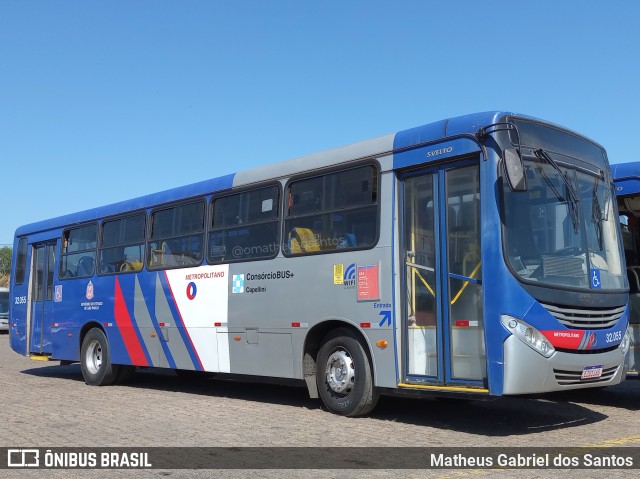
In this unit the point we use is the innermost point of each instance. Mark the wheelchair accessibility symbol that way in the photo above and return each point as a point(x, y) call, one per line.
point(595, 279)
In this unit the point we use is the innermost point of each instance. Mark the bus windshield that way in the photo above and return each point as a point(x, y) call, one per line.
point(562, 231)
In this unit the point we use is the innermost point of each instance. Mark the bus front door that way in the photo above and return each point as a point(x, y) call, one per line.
point(42, 268)
point(443, 329)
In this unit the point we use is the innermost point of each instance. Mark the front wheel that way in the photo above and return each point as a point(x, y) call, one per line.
point(95, 360)
point(345, 382)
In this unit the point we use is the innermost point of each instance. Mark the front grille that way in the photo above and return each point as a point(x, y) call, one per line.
point(584, 318)
point(587, 351)
point(570, 378)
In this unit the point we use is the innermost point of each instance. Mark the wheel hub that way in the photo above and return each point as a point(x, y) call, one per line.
point(94, 357)
point(341, 372)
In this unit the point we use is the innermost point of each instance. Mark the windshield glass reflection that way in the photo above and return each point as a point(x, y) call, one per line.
point(562, 229)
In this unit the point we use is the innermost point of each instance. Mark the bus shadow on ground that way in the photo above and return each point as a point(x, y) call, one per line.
point(624, 396)
point(53, 370)
point(503, 416)
point(263, 390)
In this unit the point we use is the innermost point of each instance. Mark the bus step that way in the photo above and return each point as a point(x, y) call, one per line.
point(436, 387)
point(39, 357)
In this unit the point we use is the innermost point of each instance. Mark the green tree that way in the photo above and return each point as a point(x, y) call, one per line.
point(5, 260)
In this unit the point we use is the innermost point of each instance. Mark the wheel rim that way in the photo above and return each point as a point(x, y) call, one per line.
point(341, 372)
point(93, 357)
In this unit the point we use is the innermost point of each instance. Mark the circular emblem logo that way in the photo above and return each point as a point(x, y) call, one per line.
point(191, 290)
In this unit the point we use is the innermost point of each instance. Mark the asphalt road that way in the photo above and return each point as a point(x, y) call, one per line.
point(47, 405)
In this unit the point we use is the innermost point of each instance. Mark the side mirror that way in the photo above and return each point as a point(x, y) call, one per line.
point(514, 169)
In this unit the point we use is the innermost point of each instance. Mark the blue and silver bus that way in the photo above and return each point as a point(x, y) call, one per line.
point(626, 177)
point(478, 255)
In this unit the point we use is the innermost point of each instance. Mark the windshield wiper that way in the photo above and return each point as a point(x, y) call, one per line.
point(596, 211)
point(543, 155)
point(549, 183)
point(573, 196)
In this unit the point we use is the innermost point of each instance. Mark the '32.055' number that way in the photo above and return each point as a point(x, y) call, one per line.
point(615, 336)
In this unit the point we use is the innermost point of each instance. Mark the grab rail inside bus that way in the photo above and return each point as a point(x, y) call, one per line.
point(424, 281)
point(466, 283)
point(430, 289)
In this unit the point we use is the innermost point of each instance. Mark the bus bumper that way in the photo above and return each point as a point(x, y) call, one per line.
point(527, 372)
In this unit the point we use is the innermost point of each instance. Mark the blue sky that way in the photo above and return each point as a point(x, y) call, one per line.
point(102, 101)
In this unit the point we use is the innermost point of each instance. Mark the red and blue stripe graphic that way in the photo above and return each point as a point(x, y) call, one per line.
point(127, 329)
point(184, 333)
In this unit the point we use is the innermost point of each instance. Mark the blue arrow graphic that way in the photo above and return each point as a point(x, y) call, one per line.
point(386, 318)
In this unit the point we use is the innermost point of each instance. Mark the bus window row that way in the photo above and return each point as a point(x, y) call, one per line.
point(325, 213)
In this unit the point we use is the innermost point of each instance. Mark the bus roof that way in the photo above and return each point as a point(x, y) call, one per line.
point(626, 176)
point(378, 147)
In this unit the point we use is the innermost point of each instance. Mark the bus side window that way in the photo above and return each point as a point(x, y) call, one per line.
point(21, 263)
point(78, 252)
point(244, 226)
point(122, 244)
point(177, 236)
point(333, 212)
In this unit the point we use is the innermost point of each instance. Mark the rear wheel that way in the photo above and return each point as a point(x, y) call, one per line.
point(95, 360)
point(345, 382)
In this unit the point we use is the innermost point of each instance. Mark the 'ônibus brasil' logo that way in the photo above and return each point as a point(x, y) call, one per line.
point(89, 294)
point(191, 290)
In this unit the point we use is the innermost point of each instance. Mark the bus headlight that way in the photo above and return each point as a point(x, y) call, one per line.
point(626, 341)
point(528, 335)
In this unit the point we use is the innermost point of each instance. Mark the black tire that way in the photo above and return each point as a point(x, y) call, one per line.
point(345, 382)
point(95, 360)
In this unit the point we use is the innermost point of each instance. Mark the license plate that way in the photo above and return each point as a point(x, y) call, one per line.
point(592, 372)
